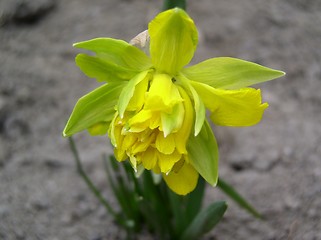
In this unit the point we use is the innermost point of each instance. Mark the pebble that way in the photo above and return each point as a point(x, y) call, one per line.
point(39, 204)
point(4, 211)
point(16, 127)
point(25, 11)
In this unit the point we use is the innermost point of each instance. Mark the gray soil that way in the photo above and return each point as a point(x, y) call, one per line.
point(275, 164)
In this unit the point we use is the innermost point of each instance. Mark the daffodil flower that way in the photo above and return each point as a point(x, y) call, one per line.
point(153, 107)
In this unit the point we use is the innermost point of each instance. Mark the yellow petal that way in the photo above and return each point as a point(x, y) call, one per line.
point(100, 128)
point(166, 162)
point(232, 107)
point(182, 135)
point(165, 145)
point(173, 40)
point(162, 94)
point(149, 158)
point(138, 99)
point(182, 182)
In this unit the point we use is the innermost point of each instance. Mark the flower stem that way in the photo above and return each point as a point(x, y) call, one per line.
point(168, 4)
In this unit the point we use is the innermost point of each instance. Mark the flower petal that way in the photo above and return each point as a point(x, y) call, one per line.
point(165, 145)
point(203, 154)
point(149, 158)
point(100, 128)
point(102, 70)
point(167, 161)
point(230, 73)
point(173, 40)
point(162, 94)
point(117, 52)
point(95, 107)
point(232, 107)
point(128, 91)
point(184, 181)
point(200, 112)
point(173, 121)
point(182, 135)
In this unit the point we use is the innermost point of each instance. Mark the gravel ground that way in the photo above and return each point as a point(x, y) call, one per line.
point(276, 163)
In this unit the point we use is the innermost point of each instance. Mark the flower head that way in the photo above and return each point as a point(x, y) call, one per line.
point(153, 107)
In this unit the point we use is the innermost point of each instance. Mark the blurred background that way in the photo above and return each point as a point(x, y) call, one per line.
point(276, 164)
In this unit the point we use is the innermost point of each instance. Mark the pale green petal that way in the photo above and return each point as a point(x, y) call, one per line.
point(117, 52)
point(200, 112)
point(102, 70)
point(182, 182)
point(203, 154)
point(95, 107)
point(128, 91)
point(230, 73)
point(173, 40)
point(171, 122)
point(232, 107)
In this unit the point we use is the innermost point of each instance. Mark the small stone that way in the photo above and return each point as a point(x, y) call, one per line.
point(53, 163)
point(24, 11)
point(39, 204)
point(4, 211)
point(291, 202)
point(16, 127)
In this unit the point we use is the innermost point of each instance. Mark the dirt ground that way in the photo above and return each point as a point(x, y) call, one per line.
point(276, 164)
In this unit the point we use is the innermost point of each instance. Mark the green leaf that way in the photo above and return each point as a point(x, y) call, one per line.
point(232, 193)
point(117, 52)
point(203, 154)
point(205, 221)
point(102, 70)
point(97, 106)
point(195, 200)
point(230, 73)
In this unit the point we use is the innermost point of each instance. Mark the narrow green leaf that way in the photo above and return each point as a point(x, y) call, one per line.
point(195, 200)
point(176, 206)
point(230, 73)
point(97, 106)
point(205, 221)
point(203, 154)
point(232, 193)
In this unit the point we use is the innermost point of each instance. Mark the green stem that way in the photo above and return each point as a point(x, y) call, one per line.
point(168, 4)
point(89, 183)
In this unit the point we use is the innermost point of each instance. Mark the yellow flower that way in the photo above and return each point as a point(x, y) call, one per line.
point(154, 107)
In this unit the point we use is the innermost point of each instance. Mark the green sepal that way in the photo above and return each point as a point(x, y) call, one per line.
point(95, 107)
point(117, 52)
point(203, 154)
point(230, 73)
point(205, 221)
point(103, 70)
